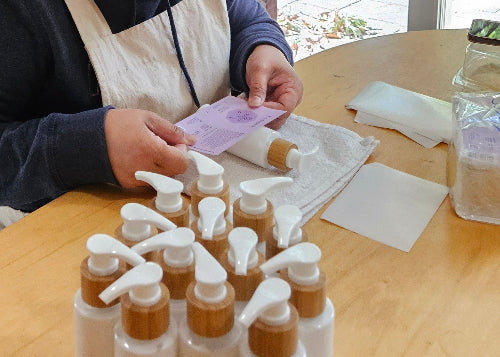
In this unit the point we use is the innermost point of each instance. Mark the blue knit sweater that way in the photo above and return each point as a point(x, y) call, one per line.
point(51, 116)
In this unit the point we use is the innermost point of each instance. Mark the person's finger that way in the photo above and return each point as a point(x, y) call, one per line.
point(170, 160)
point(169, 132)
point(257, 83)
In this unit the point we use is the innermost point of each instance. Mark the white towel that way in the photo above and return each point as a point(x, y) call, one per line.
point(341, 153)
point(9, 215)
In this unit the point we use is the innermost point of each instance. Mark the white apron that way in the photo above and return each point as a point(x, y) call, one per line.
point(138, 67)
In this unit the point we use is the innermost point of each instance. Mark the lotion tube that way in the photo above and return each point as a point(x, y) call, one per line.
point(95, 320)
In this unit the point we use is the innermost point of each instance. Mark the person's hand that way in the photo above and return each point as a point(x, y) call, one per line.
point(272, 82)
point(141, 140)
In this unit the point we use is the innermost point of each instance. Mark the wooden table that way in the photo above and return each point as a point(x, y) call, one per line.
point(442, 298)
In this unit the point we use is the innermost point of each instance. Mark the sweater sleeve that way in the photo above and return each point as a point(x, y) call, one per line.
point(41, 157)
point(251, 26)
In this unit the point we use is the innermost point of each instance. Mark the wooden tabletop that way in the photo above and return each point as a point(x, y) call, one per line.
point(440, 299)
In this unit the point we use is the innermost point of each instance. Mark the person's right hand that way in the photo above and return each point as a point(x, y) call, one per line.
point(141, 140)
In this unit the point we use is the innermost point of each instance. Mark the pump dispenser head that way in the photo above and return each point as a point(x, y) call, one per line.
point(253, 200)
point(211, 221)
point(175, 243)
point(302, 263)
point(210, 173)
point(287, 229)
point(104, 253)
point(300, 161)
point(210, 276)
point(168, 198)
point(137, 219)
point(269, 303)
point(242, 253)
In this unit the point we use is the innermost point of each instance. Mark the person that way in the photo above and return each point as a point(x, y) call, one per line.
point(90, 89)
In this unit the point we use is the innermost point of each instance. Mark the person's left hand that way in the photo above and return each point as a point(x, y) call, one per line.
point(272, 82)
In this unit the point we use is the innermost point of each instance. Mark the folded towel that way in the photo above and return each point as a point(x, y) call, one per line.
point(341, 153)
point(423, 119)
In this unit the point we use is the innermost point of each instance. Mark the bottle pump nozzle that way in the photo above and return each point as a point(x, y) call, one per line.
point(210, 173)
point(210, 276)
point(253, 199)
point(300, 161)
point(137, 219)
point(287, 229)
point(175, 243)
point(242, 254)
point(301, 260)
point(104, 253)
point(168, 198)
point(269, 303)
point(211, 221)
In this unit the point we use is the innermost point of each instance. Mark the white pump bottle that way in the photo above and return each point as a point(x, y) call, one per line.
point(272, 322)
point(169, 201)
point(308, 285)
point(209, 183)
point(211, 228)
point(253, 210)
point(286, 231)
point(94, 320)
point(209, 330)
point(265, 148)
point(145, 328)
point(177, 262)
point(241, 262)
point(139, 223)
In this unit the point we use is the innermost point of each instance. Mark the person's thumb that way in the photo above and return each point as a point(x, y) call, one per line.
point(258, 89)
point(169, 132)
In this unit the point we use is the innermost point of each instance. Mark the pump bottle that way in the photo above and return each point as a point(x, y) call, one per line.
point(209, 330)
point(265, 148)
point(145, 328)
point(272, 322)
point(211, 229)
point(209, 182)
point(139, 223)
point(253, 210)
point(169, 201)
point(177, 262)
point(241, 263)
point(286, 231)
point(95, 320)
point(308, 283)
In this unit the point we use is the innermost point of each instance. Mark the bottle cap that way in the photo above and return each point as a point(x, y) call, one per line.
point(175, 243)
point(211, 221)
point(269, 303)
point(141, 282)
point(287, 229)
point(253, 200)
point(210, 173)
point(242, 253)
point(300, 161)
point(137, 219)
point(210, 276)
point(168, 198)
point(302, 263)
point(104, 253)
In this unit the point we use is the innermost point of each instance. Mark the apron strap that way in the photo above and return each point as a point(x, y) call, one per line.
point(89, 20)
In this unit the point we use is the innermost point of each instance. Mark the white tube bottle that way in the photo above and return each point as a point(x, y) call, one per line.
point(241, 263)
point(272, 323)
point(95, 320)
point(286, 231)
point(209, 329)
point(177, 262)
point(265, 148)
point(169, 201)
point(308, 283)
point(145, 328)
point(211, 228)
point(139, 223)
point(209, 183)
point(254, 210)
